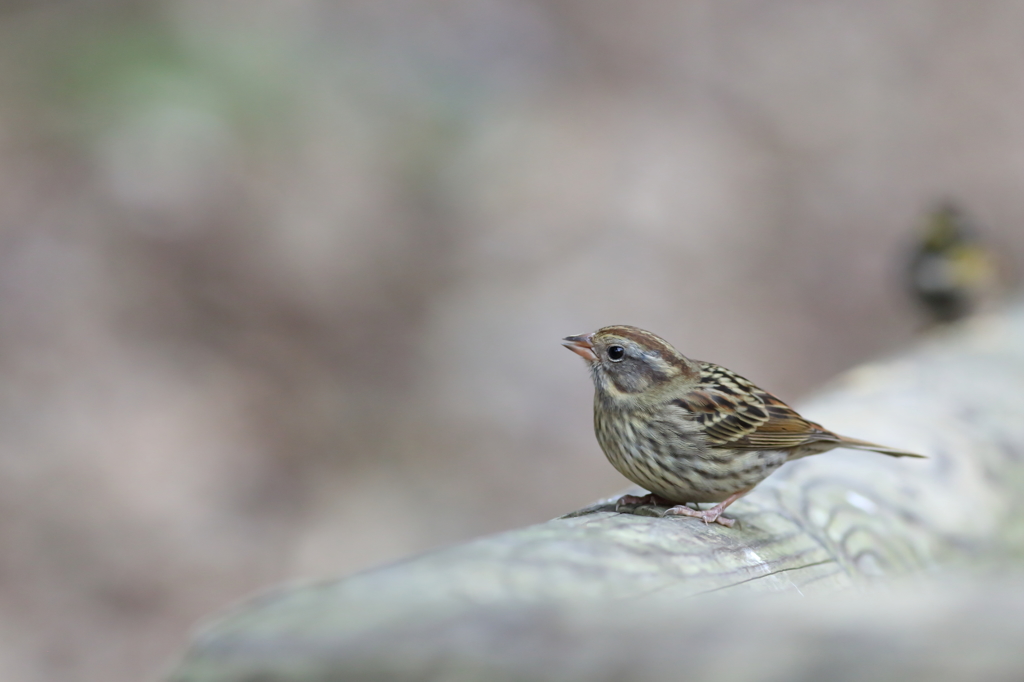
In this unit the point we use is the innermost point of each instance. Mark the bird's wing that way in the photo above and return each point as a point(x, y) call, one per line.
point(737, 414)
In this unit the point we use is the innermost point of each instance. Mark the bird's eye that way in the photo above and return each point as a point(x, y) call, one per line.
point(616, 353)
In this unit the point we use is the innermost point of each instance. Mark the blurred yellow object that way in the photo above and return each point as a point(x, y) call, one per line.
point(951, 270)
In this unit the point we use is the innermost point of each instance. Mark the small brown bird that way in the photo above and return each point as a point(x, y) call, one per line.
point(952, 272)
point(691, 431)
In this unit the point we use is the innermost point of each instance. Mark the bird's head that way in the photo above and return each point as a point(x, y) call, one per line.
point(628, 363)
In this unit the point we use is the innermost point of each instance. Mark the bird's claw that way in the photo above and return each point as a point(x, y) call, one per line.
point(632, 501)
point(713, 515)
point(627, 502)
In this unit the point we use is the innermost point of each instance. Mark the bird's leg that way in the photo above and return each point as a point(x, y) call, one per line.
point(713, 515)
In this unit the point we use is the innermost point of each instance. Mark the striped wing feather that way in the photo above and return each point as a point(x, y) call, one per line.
point(737, 414)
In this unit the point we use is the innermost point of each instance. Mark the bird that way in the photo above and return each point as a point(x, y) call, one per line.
point(950, 271)
point(691, 431)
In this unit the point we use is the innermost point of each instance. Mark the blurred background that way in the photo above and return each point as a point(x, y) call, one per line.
point(282, 284)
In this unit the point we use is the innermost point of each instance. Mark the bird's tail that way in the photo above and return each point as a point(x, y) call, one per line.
point(855, 444)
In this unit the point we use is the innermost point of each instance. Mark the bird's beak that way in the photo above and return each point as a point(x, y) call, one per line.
point(581, 346)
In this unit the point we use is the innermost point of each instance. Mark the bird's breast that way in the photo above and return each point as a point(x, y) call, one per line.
point(667, 453)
